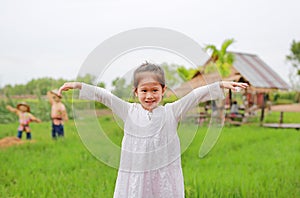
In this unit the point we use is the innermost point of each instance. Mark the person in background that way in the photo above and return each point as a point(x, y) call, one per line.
point(25, 117)
point(58, 114)
point(234, 108)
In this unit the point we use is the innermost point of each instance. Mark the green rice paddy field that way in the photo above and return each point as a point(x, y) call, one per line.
point(247, 161)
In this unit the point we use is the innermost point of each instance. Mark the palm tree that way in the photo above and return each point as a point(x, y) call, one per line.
point(221, 58)
point(186, 74)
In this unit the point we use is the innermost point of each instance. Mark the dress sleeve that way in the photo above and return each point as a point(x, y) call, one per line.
point(201, 94)
point(117, 105)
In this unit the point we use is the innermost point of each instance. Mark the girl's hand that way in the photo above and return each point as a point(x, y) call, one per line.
point(235, 86)
point(69, 85)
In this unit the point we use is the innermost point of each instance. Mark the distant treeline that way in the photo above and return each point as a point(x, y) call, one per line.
point(175, 75)
point(39, 86)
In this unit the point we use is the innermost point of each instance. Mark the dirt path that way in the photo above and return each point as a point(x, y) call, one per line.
point(286, 108)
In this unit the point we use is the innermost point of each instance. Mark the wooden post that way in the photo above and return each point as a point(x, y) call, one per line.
point(230, 98)
point(262, 115)
point(281, 117)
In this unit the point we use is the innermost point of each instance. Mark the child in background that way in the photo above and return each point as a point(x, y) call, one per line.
point(234, 108)
point(58, 114)
point(150, 164)
point(25, 117)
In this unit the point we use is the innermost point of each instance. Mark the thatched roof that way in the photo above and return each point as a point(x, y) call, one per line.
point(246, 68)
point(257, 72)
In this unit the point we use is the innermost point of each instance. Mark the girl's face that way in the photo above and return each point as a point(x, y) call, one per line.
point(149, 92)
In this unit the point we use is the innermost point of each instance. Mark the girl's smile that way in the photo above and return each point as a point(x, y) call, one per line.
point(149, 93)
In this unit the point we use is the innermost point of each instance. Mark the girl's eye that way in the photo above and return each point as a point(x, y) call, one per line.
point(155, 90)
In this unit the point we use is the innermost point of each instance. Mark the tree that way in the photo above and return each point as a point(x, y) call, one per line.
point(294, 57)
point(186, 74)
point(221, 58)
point(172, 76)
point(87, 78)
point(294, 74)
point(121, 89)
point(101, 84)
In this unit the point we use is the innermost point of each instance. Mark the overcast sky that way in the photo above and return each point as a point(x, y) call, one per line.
point(53, 38)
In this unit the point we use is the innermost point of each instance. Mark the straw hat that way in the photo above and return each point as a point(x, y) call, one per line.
point(25, 105)
point(55, 92)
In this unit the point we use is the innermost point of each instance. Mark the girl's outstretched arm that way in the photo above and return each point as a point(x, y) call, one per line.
point(201, 94)
point(69, 85)
point(91, 92)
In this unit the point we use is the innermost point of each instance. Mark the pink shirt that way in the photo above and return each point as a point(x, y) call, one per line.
point(24, 120)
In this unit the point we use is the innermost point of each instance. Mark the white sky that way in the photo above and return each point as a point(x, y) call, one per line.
point(53, 38)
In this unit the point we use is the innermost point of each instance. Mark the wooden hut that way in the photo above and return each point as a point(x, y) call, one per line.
point(247, 68)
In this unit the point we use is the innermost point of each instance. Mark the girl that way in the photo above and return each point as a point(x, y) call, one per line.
point(25, 117)
point(150, 164)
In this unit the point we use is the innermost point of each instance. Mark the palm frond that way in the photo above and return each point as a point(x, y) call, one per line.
point(225, 45)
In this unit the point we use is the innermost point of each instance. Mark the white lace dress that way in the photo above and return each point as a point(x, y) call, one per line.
point(150, 164)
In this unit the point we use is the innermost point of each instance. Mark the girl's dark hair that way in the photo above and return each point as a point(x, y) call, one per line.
point(151, 68)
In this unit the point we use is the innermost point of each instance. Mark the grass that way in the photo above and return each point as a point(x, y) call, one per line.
point(48, 168)
point(247, 161)
point(288, 117)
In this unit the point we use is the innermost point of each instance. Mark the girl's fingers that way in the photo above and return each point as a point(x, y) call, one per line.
point(234, 85)
point(63, 88)
point(59, 92)
point(66, 87)
point(69, 85)
point(243, 85)
point(238, 86)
